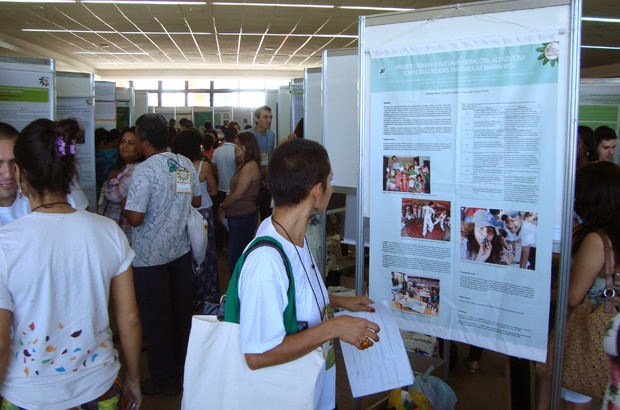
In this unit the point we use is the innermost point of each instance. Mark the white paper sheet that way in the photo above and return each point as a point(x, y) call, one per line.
point(385, 365)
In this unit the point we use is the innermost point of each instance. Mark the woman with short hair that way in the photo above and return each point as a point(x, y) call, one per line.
point(299, 175)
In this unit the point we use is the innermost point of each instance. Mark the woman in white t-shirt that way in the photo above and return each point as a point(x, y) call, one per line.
point(58, 268)
point(299, 175)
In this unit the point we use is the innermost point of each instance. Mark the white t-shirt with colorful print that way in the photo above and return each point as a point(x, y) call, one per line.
point(55, 275)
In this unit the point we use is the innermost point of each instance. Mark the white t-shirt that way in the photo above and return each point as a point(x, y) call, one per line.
point(162, 236)
point(263, 286)
point(224, 160)
point(527, 234)
point(55, 274)
point(19, 208)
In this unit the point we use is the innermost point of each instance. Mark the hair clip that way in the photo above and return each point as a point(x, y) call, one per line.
point(60, 146)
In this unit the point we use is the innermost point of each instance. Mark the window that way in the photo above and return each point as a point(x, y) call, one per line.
point(226, 99)
point(198, 99)
point(153, 101)
point(251, 99)
point(146, 85)
point(275, 84)
point(198, 84)
point(173, 99)
point(176, 85)
point(226, 84)
point(251, 84)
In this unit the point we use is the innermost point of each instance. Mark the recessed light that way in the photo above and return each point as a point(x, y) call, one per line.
point(268, 48)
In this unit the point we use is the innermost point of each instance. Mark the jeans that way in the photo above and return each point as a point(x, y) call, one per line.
point(165, 296)
point(241, 229)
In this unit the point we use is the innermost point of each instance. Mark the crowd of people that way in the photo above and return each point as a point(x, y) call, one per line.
point(57, 345)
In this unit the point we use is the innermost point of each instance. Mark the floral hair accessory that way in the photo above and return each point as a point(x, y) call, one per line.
point(60, 146)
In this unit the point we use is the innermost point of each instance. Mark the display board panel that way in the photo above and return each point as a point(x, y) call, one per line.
point(340, 115)
point(464, 117)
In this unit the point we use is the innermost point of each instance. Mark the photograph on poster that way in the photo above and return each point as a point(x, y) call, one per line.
point(425, 219)
point(415, 294)
point(501, 237)
point(407, 174)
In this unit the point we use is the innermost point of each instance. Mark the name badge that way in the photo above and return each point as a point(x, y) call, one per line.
point(264, 159)
point(183, 181)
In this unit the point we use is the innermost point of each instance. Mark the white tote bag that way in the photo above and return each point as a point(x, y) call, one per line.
point(217, 376)
point(197, 230)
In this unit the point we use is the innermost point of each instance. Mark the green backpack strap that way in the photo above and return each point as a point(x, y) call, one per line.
point(232, 310)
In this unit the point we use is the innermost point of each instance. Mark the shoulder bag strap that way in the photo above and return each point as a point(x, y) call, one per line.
point(609, 291)
point(232, 310)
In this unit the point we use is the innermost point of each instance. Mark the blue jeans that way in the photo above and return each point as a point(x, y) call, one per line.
point(241, 229)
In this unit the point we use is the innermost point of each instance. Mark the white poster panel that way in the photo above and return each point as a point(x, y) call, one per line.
point(105, 90)
point(313, 115)
point(461, 217)
point(26, 96)
point(340, 115)
point(297, 103)
point(83, 109)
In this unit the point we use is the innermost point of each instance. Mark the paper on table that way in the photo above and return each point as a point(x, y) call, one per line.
point(385, 365)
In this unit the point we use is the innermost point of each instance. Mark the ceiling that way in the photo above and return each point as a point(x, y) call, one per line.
point(207, 39)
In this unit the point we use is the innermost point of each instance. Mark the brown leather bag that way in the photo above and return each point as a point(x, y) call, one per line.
point(586, 365)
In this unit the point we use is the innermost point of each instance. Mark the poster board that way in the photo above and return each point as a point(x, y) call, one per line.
point(75, 99)
point(297, 102)
point(105, 104)
point(340, 125)
point(27, 90)
point(283, 113)
point(464, 94)
point(313, 115)
point(125, 107)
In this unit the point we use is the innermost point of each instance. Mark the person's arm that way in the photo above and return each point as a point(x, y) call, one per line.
point(210, 177)
point(134, 218)
point(116, 189)
point(196, 201)
point(246, 176)
point(6, 318)
point(525, 254)
point(347, 328)
point(352, 304)
point(128, 320)
point(589, 261)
